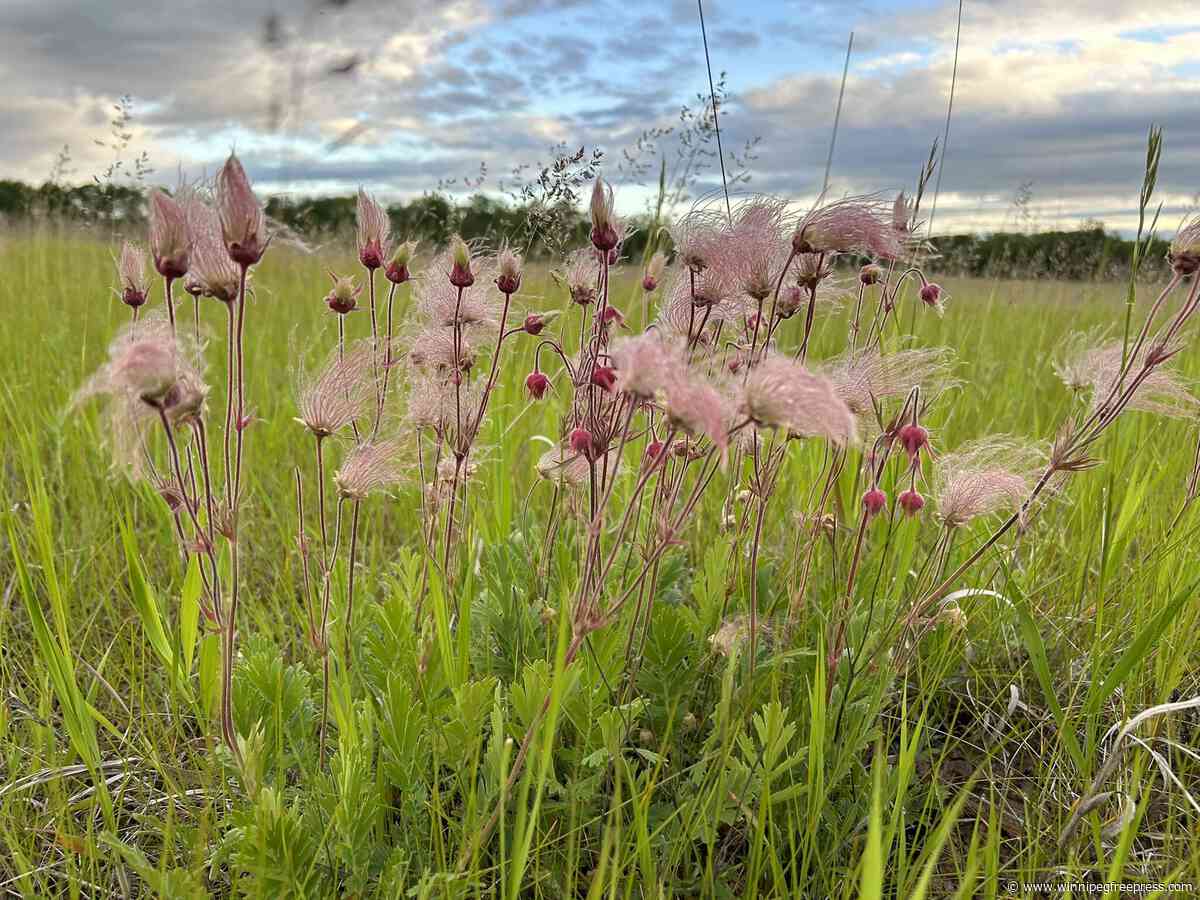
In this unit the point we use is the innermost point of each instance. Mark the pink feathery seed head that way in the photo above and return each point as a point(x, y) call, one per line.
point(442, 303)
point(1097, 369)
point(436, 351)
point(217, 274)
point(812, 269)
point(903, 212)
point(985, 477)
point(460, 273)
point(243, 225)
point(644, 364)
point(604, 377)
point(755, 249)
point(606, 228)
point(874, 502)
point(863, 377)
point(1184, 252)
point(911, 502)
point(397, 271)
point(508, 268)
point(791, 299)
point(536, 384)
point(369, 467)
point(343, 296)
point(781, 393)
point(696, 237)
point(654, 271)
point(131, 271)
point(374, 230)
point(579, 274)
point(335, 394)
point(713, 290)
point(914, 439)
point(870, 274)
point(697, 407)
point(855, 224)
point(170, 237)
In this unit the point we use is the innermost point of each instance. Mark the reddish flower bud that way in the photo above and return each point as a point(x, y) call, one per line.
point(911, 502)
point(931, 294)
point(580, 440)
point(534, 324)
point(913, 438)
point(604, 377)
point(243, 225)
point(133, 297)
point(509, 278)
point(343, 296)
point(537, 384)
point(397, 268)
point(653, 451)
point(874, 502)
point(461, 275)
point(649, 283)
point(612, 314)
point(870, 274)
point(605, 226)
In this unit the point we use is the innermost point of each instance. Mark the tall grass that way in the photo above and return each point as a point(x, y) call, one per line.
point(661, 769)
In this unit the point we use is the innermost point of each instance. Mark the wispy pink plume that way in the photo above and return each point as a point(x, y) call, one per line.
point(781, 393)
point(437, 299)
point(755, 250)
point(170, 236)
point(243, 224)
point(369, 467)
point(1096, 369)
point(863, 377)
point(433, 351)
point(697, 237)
point(851, 225)
point(132, 272)
point(1184, 252)
point(332, 396)
point(697, 407)
point(645, 363)
point(217, 275)
point(985, 477)
point(580, 275)
point(374, 231)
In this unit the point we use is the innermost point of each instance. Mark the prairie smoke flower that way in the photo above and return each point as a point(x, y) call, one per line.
point(460, 273)
point(434, 403)
point(607, 230)
point(754, 250)
point(984, 477)
point(148, 371)
point(904, 211)
point(874, 502)
point(131, 274)
point(536, 383)
point(653, 451)
point(369, 467)
point(581, 441)
point(397, 271)
point(864, 377)
point(654, 271)
point(812, 269)
point(243, 225)
point(870, 274)
point(603, 377)
point(568, 468)
point(1184, 252)
point(433, 350)
point(913, 438)
point(1097, 368)
point(697, 239)
point(374, 228)
point(343, 296)
point(170, 237)
point(211, 267)
point(508, 267)
point(535, 323)
point(931, 296)
point(580, 274)
point(851, 225)
point(911, 502)
point(438, 300)
point(644, 364)
point(780, 393)
point(698, 408)
point(338, 392)
point(791, 298)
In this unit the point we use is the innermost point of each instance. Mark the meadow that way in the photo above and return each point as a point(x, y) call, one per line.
point(490, 739)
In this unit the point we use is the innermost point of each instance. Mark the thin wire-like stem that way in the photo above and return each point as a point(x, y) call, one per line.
point(350, 581)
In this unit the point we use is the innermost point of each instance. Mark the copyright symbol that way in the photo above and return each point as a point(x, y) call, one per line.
point(1011, 888)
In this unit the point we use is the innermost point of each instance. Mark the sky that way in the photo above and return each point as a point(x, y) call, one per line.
point(1052, 99)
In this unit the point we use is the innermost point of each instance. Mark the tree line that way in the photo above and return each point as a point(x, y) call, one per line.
point(1084, 254)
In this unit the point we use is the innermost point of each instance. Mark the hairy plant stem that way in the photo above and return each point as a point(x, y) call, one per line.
point(168, 295)
point(350, 581)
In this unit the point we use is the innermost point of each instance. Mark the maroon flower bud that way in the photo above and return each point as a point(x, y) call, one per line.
point(133, 297)
point(612, 314)
point(397, 268)
point(911, 502)
point(534, 324)
point(913, 438)
point(509, 278)
point(931, 294)
point(874, 502)
point(371, 255)
point(653, 451)
point(343, 296)
point(605, 236)
point(870, 274)
point(580, 440)
point(537, 384)
point(461, 275)
point(604, 377)
point(649, 283)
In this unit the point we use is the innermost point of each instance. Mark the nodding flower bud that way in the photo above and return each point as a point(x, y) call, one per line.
point(931, 294)
point(343, 296)
point(537, 384)
point(397, 267)
point(605, 235)
point(791, 298)
point(874, 502)
point(535, 323)
point(612, 314)
point(604, 377)
point(509, 265)
point(653, 451)
point(870, 274)
point(170, 240)
point(911, 502)
point(913, 438)
point(243, 225)
point(461, 275)
point(654, 271)
point(580, 440)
